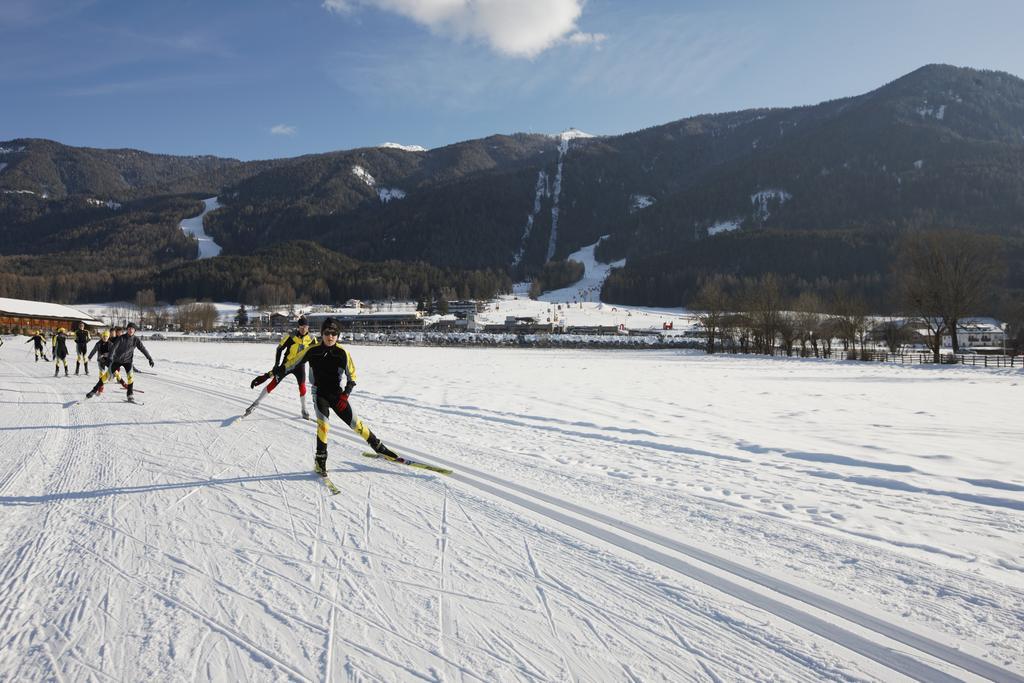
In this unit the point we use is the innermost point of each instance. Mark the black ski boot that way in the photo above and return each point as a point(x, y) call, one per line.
point(78, 366)
point(378, 446)
point(320, 464)
point(56, 370)
point(66, 371)
point(87, 369)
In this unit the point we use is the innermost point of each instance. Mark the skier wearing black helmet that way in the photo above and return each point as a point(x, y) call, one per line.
point(328, 363)
point(289, 348)
point(122, 355)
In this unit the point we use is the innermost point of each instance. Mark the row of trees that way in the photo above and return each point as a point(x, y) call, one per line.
point(186, 315)
point(943, 277)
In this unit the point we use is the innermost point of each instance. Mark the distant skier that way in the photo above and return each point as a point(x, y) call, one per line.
point(38, 339)
point(101, 349)
point(60, 351)
point(290, 346)
point(122, 355)
point(81, 346)
point(328, 362)
point(116, 332)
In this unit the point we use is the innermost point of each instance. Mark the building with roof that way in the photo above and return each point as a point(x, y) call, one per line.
point(20, 315)
point(369, 322)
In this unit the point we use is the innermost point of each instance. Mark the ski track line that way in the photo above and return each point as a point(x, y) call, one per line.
point(181, 565)
point(538, 586)
point(589, 436)
point(698, 655)
point(563, 511)
point(389, 629)
point(585, 605)
point(443, 546)
point(330, 629)
point(231, 634)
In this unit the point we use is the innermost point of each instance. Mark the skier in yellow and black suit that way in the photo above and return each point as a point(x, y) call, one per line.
point(60, 351)
point(39, 340)
point(288, 350)
point(328, 363)
point(81, 346)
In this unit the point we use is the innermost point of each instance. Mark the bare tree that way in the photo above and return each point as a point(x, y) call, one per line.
point(807, 309)
point(893, 333)
point(145, 301)
point(764, 303)
point(851, 316)
point(713, 304)
point(789, 330)
point(947, 274)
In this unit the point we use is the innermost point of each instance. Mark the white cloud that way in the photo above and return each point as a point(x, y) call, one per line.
point(282, 129)
point(580, 38)
point(517, 28)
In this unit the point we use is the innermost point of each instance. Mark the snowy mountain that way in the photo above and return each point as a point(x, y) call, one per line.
point(834, 183)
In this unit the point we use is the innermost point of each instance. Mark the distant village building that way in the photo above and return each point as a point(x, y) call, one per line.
point(527, 325)
point(463, 309)
point(23, 315)
point(354, 303)
point(979, 336)
point(370, 322)
point(279, 322)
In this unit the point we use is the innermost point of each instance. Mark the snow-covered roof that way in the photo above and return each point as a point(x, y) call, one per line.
point(43, 309)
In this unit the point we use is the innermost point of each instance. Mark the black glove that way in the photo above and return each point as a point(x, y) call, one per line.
point(349, 386)
point(151, 363)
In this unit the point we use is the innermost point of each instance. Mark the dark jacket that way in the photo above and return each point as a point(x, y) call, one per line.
point(60, 345)
point(81, 337)
point(38, 339)
point(328, 365)
point(101, 349)
point(123, 352)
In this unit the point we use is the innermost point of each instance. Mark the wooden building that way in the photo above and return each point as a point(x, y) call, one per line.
point(19, 316)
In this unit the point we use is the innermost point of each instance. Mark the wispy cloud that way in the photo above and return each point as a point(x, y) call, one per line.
point(169, 83)
point(283, 129)
point(20, 14)
point(580, 38)
point(514, 28)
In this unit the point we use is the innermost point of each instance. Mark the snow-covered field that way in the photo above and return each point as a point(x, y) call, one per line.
point(623, 515)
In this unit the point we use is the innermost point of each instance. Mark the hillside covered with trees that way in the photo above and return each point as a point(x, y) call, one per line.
point(819, 196)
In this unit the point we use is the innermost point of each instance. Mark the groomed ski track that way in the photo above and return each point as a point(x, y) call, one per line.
point(181, 542)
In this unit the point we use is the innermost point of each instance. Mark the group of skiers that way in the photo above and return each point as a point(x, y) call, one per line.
point(114, 352)
point(329, 364)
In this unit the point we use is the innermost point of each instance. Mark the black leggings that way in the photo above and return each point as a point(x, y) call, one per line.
point(339, 404)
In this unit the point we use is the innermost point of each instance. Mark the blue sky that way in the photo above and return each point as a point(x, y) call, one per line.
point(271, 78)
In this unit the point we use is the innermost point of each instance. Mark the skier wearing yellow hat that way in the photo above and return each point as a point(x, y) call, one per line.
point(60, 351)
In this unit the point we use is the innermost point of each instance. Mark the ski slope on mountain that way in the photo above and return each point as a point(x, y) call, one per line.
point(613, 516)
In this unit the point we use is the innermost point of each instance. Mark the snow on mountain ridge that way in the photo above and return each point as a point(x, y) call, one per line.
point(404, 148)
point(572, 134)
